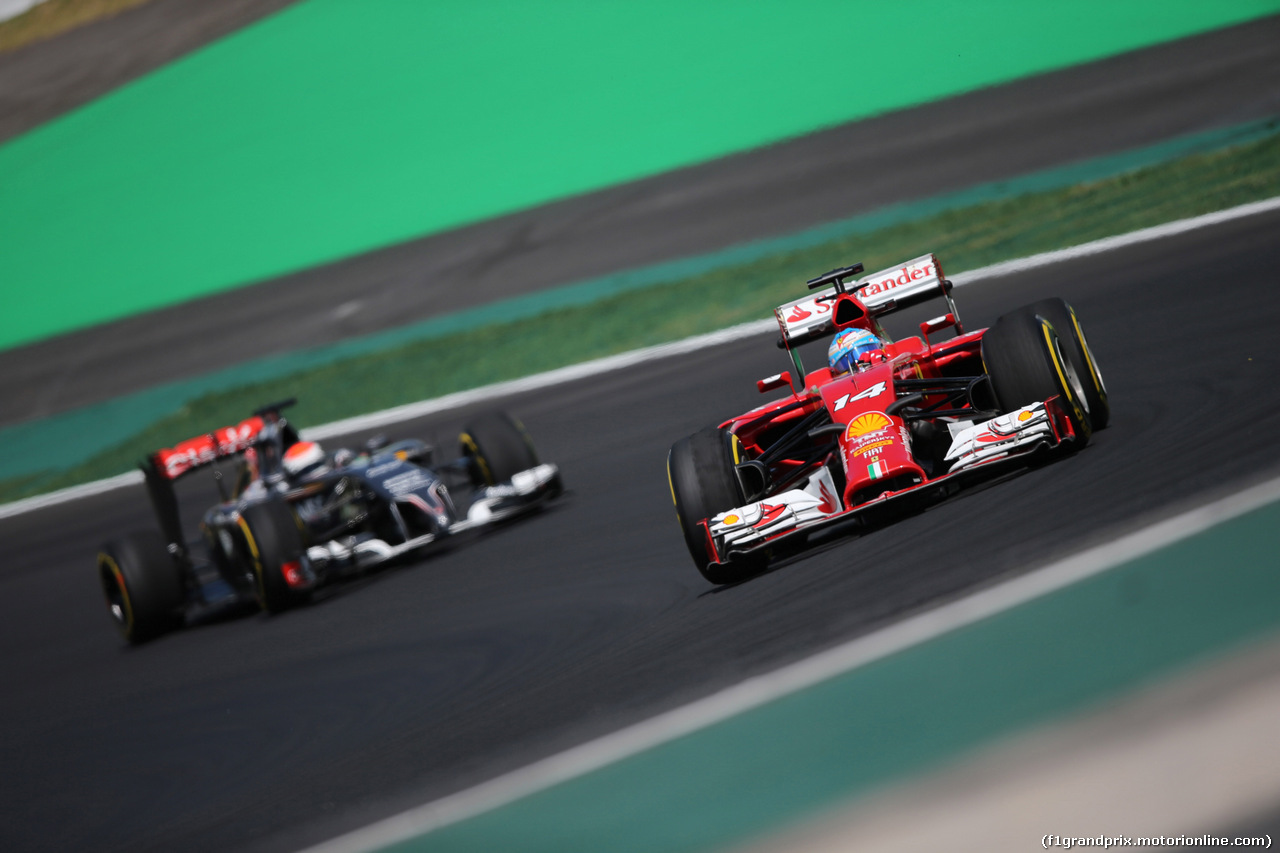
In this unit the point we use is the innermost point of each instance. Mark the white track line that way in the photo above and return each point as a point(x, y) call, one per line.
point(611, 363)
point(73, 493)
point(608, 364)
point(14, 8)
point(1106, 244)
point(760, 690)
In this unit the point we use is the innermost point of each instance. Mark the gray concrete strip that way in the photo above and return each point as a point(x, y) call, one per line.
point(1188, 756)
point(43, 80)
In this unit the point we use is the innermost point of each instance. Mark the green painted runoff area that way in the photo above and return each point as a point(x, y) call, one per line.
point(1054, 656)
point(336, 127)
point(1048, 210)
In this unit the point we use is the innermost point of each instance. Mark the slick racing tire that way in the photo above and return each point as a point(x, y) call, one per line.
point(1025, 358)
point(143, 585)
point(703, 484)
point(273, 546)
point(1075, 349)
point(496, 446)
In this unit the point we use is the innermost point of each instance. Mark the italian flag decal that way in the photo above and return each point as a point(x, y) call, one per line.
point(876, 469)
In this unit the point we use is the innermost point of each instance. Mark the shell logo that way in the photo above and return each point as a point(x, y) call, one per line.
point(1025, 416)
point(731, 519)
point(865, 423)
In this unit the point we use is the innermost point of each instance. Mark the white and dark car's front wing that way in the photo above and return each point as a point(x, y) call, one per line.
point(524, 492)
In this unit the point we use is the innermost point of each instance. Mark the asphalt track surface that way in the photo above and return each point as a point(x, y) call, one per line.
point(1216, 80)
point(269, 733)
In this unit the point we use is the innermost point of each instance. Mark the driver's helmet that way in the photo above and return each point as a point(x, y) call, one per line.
point(304, 459)
point(848, 346)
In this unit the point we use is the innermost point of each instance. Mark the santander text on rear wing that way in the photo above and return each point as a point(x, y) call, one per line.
point(882, 293)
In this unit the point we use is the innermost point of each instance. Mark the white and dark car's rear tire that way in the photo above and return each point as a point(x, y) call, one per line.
point(143, 585)
point(497, 446)
point(1026, 359)
point(700, 469)
point(273, 542)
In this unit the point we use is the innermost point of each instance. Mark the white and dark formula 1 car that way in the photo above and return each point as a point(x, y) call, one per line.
point(275, 536)
point(910, 425)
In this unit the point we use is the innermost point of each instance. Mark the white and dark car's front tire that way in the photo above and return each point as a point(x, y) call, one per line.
point(496, 446)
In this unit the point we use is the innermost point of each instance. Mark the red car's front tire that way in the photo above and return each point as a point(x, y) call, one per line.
point(700, 470)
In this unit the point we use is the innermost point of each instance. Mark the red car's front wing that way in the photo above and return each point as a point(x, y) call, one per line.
point(913, 497)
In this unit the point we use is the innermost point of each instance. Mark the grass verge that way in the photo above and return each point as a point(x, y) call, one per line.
point(963, 239)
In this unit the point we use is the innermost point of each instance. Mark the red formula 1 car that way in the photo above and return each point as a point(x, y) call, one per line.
point(911, 425)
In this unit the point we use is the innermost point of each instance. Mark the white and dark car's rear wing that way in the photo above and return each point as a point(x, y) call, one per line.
point(882, 293)
point(266, 431)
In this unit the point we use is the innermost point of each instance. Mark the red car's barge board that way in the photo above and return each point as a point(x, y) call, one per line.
point(916, 421)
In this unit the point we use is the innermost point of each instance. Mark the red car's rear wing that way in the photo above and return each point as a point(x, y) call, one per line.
point(883, 292)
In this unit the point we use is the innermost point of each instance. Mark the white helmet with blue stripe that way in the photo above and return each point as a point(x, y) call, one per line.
point(848, 346)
